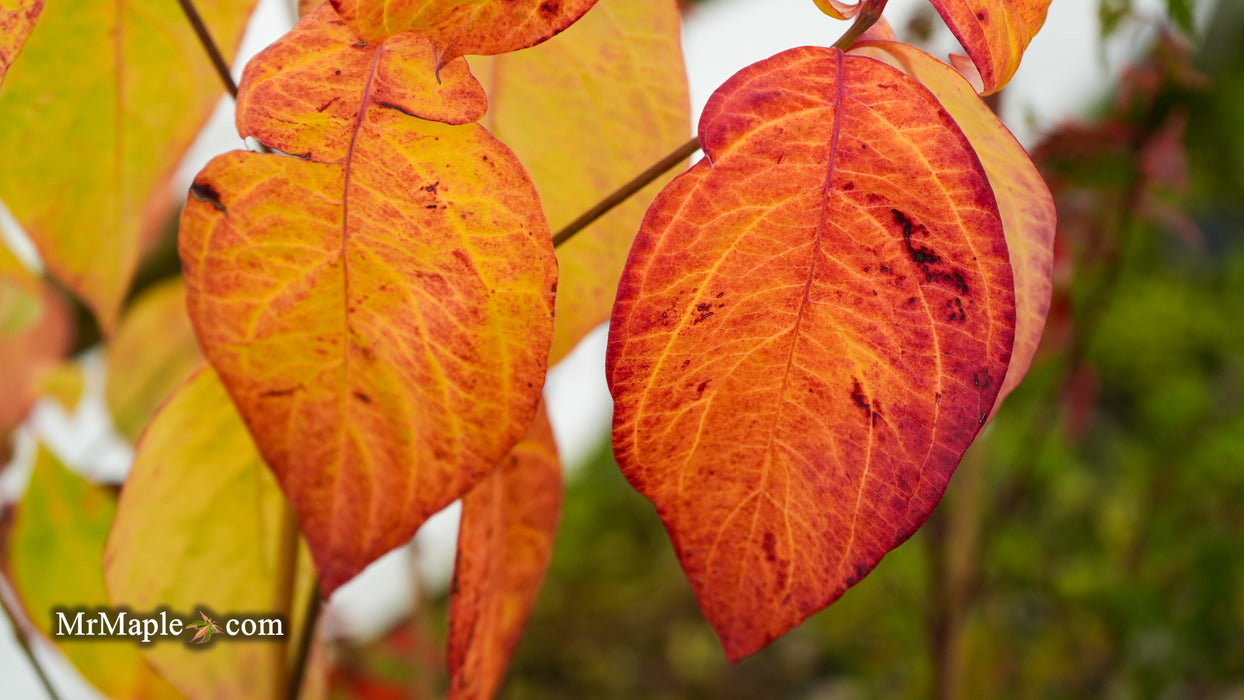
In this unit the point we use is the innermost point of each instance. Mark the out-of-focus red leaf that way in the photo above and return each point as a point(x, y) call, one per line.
point(814, 323)
point(504, 547)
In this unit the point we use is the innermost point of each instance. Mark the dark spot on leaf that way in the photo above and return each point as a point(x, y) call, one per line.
point(359, 45)
point(721, 294)
point(860, 400)
point(703, 316)
point(769, 544)
point(326, 105)
point(206, 193)
point(981, 16)
point(273, 393)
point(362, 397)
point(550, 8)
point(919, 256)
point(703, 385)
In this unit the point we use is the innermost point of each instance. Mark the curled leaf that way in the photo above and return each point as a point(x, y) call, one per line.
point(995, 34)
point(813, 325)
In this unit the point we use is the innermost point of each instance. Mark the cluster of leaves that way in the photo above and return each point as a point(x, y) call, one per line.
point(1089, 547)
point(812, 325)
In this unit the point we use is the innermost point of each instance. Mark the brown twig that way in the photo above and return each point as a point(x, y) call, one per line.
point(305, 636)
point(205, 38)
point(624, 192)
point(20, 632)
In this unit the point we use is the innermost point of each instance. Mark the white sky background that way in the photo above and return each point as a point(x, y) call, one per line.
point(1064, 71)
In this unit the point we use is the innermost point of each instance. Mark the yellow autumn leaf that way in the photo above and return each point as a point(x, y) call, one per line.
point(585, 112)
point(97, 113)
point(201, 525)
point(151, 354)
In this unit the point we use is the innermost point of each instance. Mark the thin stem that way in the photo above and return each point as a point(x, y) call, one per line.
point(305, 636)
point(205, 38)
point(868, 16)
point(624, 192)
point(283, 594)
point(20, 633)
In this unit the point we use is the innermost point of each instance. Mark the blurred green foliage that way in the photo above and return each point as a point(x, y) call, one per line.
point(1092, 543)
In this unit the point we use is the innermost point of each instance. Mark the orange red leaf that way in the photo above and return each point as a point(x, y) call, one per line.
point(995, 33)
point(381, 310)
point(17, 19)
point(586, 112)
point(504, 547)
point(97, 114)
point(813, 324)
point(1029, 218)
point(460, 27)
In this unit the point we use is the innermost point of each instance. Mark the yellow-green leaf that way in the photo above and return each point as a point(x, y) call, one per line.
point(202, 526)
point(381, 311)
point(151, 354)
point(461, 27)
point(57, 563)
point(1024, 201)
point(995, 33)
point(585, 112)
point(97, 113)
point(17, 19)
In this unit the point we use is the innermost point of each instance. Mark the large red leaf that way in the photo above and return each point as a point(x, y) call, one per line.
point(995, 33)
point(504, 548)
point(1029, 218)
point(813, 324)
point(460, 27)
point(379, 310)
point(16, 22)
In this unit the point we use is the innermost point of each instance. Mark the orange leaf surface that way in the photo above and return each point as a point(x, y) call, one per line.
point(96, 115)
point(994, 33)
point(504, 548)
point(460, 27)
point(17, 19)
point(35, 332)
point(812, 327)
point(586, 112)
point(199, 528)
point(381, 311)
point(1029, 218)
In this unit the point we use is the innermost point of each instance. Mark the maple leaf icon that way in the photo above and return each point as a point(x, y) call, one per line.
point(205, 629)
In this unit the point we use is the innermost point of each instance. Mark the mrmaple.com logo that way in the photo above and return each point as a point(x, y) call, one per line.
point(106, 623)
